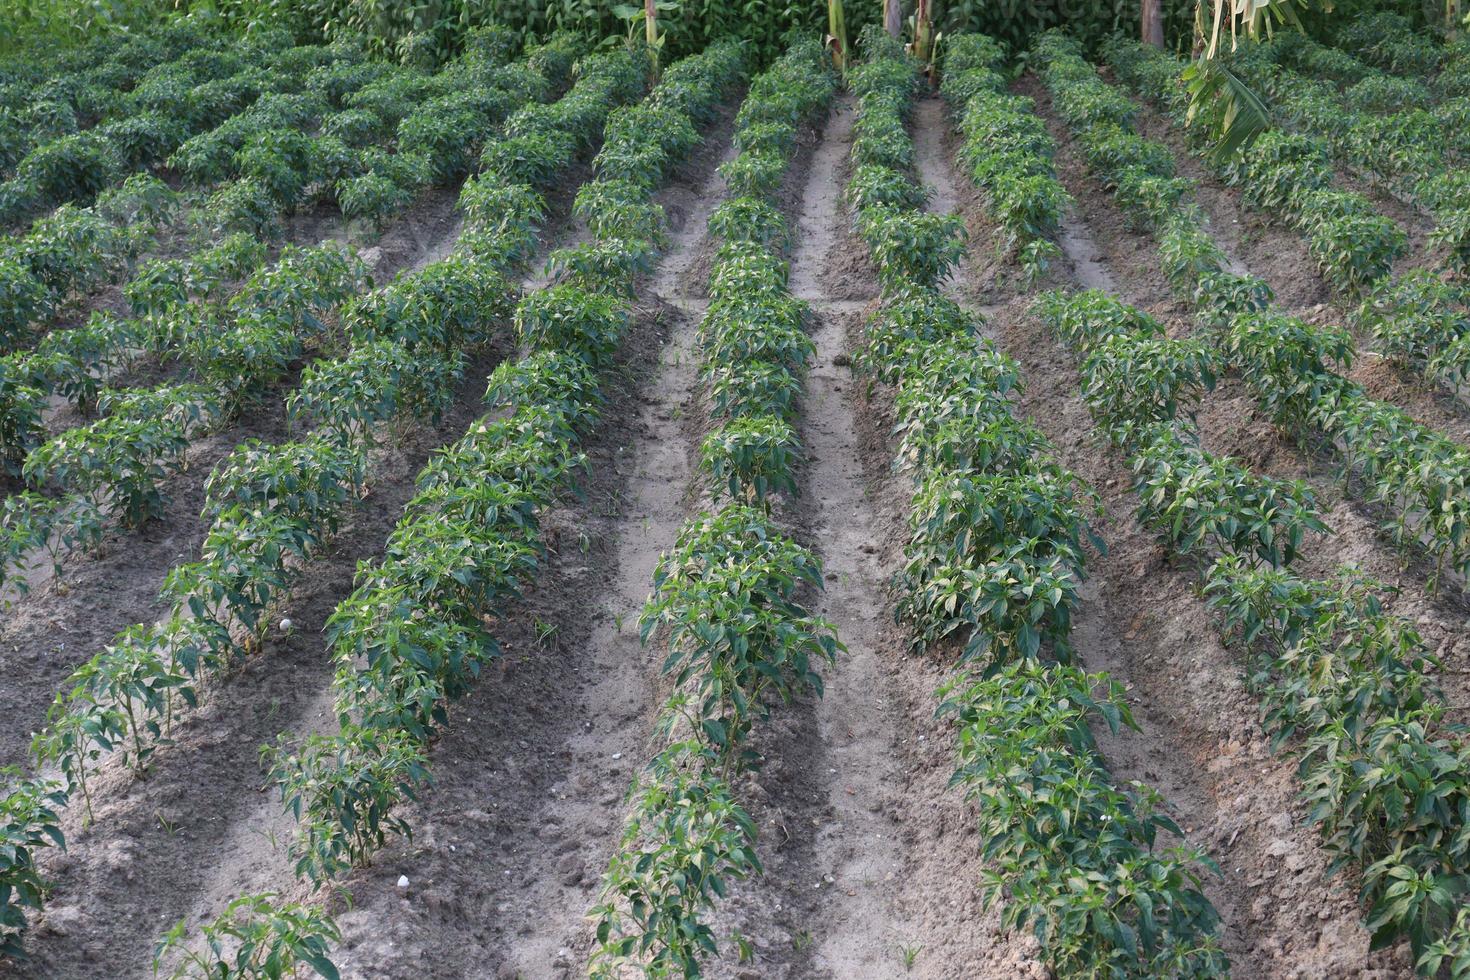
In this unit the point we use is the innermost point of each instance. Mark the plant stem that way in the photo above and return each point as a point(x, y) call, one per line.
point(137, 740)
point(837, 29)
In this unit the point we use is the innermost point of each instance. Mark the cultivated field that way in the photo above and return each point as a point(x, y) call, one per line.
point(548, 515)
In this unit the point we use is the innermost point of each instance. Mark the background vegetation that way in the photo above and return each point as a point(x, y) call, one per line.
point(432, 29)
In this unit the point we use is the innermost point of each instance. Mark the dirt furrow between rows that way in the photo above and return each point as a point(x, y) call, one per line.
point(53, 630)
point(872, 865)
point(856, 855)
point(201, 826)
point(511, 842)
point(1144, 623)
point(1229, 419)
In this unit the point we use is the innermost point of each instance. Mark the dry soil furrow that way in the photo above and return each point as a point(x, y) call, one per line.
point(201, 827)
point(510, 844)
point(875, 871)
point(857, 853)
point(54, 629)
point(1144, 623)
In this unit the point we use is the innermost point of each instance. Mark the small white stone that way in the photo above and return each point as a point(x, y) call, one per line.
point(402, 881)
point(286, 625)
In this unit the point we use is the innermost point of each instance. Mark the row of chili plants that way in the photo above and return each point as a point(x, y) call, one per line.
point(64, 91)
point(1391, 42)
point(232, 351)
point(99, 241)
point(77, 249)
point(727, 598)
point(996, 555)
point(181, 306)
point(1006, 151)
point(1383, 127)
point(1453, 77)
point(1344, 686)
point(1419, 318)
point(412, 636)
point(1340, 680)
point(91, 129)
point(1289, 173)
point(436, 122)
point(162, 285)
point(1416, 477)
point(265, 160)
point(273, 507)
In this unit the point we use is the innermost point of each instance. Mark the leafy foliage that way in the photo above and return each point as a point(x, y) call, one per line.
point(726, 595)
point(997, 551)
point(749, 459)
point(687, 840)
point(1201, 501)
point(28, 823)
point(910, 247)
point(255, 937)
point(1073, 856)
point(412, 635)
point(1006, 150)
point(1382, 782)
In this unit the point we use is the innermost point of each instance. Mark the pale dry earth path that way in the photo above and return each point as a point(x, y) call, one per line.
point(857, 847)
point(1143, 621)
point(201, 827)
point(529, 798)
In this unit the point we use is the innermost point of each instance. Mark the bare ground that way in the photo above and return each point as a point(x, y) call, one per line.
point(527, 806)
point(872, 862)
point(857, 848)
point(201, 827)
point(1201, 743)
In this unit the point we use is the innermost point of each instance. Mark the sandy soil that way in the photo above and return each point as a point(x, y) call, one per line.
point(872, 862)
point(201, 827)
point(46, 634)
point(1201, 744)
